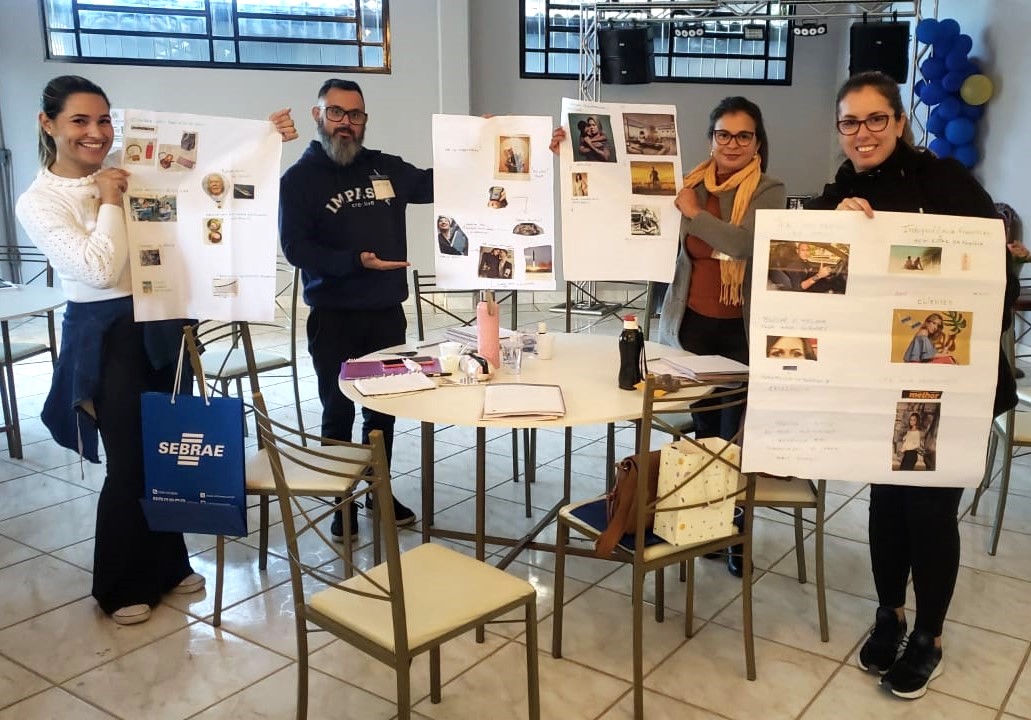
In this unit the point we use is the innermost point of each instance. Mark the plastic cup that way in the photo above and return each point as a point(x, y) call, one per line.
point(512, 356)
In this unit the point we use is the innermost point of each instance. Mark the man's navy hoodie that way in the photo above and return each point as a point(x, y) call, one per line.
point(329, 215)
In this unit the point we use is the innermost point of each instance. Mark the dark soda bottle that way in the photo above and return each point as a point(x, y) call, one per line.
point(631, 347)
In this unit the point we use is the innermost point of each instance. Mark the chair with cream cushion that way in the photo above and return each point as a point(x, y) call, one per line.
point(412, 603)
point(646, 552)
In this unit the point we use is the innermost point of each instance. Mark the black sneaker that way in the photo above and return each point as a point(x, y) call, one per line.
point(881, 649)
point(403, 516)
point(919, 665)
point(336, 529)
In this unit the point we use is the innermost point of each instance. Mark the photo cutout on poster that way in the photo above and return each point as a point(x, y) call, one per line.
point(225, 286)
point(925, 335)
point(243, 192)
point(580, 185)
point(180, 157)
point(451, 240)
point(150, 257)
point(653, 178)
point(915, 433)
point(644, 220)
point(538, 260)
point(512, 157)
point(592, 138)
point(528, 229)
point(497, 198)
point(153, 209)
point(650, 134)
point(213, 231)
point(139, 151)
point(216, 187)
point(496, 263)
point(791, 350)
point(915, 260)
point(815, 268)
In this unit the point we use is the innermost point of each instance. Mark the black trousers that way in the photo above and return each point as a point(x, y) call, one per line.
point(336, 335)
point(131, 564)
point(704, 335)
point(915, 529)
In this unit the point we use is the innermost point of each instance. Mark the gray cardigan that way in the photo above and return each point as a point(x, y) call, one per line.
point(734, 240)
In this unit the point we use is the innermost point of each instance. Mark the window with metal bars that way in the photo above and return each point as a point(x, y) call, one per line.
point(720, 47)
point(351, 35)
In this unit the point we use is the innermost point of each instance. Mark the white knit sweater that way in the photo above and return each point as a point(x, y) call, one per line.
point(84, 240)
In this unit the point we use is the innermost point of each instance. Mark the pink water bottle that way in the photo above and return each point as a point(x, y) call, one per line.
point(487, 328)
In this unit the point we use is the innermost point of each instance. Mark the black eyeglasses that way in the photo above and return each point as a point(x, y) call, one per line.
point(874, 123)
point(743, 138)
point(336, 114)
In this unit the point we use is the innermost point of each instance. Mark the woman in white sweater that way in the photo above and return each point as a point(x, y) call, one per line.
point(73, 213)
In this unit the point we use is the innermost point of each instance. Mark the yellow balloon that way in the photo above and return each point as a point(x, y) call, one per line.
point(976, 90)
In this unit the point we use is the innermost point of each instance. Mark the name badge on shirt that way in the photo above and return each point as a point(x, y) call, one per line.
point(382, 187)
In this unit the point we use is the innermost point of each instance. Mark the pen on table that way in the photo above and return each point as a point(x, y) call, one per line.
point(440, 374)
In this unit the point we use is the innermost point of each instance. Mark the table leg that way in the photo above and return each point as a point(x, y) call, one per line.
point(427, 480)
point(567, 470)
point(610, 456)
point(481, 504)
point(13, 429)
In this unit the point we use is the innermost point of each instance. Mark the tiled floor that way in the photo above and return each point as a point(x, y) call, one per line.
point(60, 658)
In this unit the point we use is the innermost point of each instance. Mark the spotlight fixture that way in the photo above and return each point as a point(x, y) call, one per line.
point(754, 32)
point(809, 29)
point(688, 30)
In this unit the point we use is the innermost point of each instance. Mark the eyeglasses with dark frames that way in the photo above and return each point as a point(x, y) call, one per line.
point(874, 123)
point(743, 138)
point(337, 114)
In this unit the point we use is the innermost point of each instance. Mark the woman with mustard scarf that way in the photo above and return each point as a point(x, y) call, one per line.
point(705, 310)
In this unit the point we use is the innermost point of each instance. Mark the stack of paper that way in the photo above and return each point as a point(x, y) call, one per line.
point(700, 367)
point(394, 384)
point(503, 400)
point(466, 334)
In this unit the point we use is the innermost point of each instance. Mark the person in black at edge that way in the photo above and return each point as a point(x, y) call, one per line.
point(911, 528)
point(342, 222)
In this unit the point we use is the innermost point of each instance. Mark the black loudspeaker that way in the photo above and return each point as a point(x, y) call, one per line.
point(880, 46)
point(626, 54)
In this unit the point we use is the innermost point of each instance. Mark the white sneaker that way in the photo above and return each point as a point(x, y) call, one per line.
point(131, 614)
point(194, 582)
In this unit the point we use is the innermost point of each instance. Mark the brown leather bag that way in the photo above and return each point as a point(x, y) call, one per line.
point(621, 503)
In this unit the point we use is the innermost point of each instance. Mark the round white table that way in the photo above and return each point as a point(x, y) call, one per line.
point(584, 366)
point(18, 302)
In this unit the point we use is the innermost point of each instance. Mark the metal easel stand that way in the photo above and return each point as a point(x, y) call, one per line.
point(586, 301)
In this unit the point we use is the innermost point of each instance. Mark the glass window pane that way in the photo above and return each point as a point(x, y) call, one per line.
point(372, 22)
point(564, 63)
point(62, 44)
point(372, 56)
point(225, 51)
point(306, 29)
point(534, 62)
point(142, 22)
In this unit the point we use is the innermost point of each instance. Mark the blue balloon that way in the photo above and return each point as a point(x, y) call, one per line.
point(950, 107)
point(953, 81)
point(956, 61)
point(927, 30)
point(967, 154)
point(932, 93)
point(941, 147)
point(948, 28)
point(918, 87)
point(974, 112)
point(933, 68)
point(964, 44)
point(960, 131)
point(943, 45)
point(935, 122)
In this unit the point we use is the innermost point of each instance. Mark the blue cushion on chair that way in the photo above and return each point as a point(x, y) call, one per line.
point(595, 514)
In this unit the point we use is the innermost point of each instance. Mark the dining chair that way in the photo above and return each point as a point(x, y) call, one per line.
point(24, 265)
point(645, 551)
point(1012, 430)
point(258, 477)
point(412, 603)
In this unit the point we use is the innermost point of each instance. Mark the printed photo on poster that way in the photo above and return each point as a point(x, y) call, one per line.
point(497, 198)
point(924, 335)
point(243, 192)
point(915, 260)
point(150, 257)
point(650, 134)
point(153, 209)
point(495, 263)
point(915, 434)
point(215, 187)
point(538, 259)
point(139, 151)
point(528, 229)
point(644, 220)
point(213, 231)
point(653, 178)
point(808, 267)
point(592, 138)
point(513, 157)
point(782, 347)
point(451, 240)
point(580, 184)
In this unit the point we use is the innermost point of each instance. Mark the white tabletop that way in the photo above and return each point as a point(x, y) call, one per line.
point(584, 366)
point(26, 300)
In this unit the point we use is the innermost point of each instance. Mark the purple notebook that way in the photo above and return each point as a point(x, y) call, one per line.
point(353, 369)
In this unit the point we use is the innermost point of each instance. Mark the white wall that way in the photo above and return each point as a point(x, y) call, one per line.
point(429, 74)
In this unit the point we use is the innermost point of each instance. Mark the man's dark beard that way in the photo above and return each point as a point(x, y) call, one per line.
point(340, 148)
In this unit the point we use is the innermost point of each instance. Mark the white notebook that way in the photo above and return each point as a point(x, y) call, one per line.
point(502, 400)
point(394, 384)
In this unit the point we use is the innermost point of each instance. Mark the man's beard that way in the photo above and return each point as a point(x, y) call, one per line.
point(341, 148)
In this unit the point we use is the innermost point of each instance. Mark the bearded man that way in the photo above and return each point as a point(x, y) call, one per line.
point(342, 222)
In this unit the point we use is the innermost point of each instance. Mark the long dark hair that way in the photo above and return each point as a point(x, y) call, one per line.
point(740, 104)
point(55, 95)
point(886, 87)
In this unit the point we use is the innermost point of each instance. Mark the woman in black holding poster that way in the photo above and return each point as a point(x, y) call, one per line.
point(911, 528)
